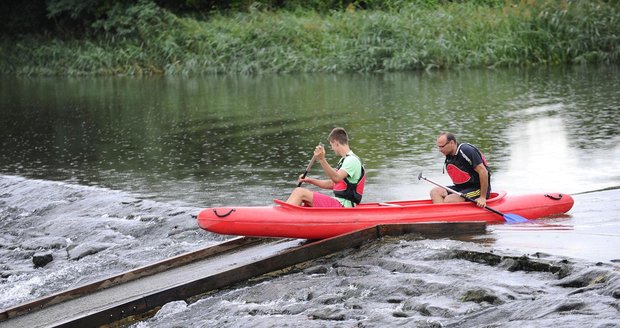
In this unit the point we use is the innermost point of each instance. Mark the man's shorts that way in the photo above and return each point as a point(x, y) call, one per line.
point(471, 192)
point(321, 200)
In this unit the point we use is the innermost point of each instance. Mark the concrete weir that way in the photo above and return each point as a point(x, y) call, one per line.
point(139, 291)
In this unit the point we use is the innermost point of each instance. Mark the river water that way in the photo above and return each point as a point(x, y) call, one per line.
point(105, 173)
point(220, 140)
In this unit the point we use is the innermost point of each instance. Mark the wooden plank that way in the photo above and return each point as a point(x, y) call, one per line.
point(154, 268)
point(430, 229)
point(289, 258)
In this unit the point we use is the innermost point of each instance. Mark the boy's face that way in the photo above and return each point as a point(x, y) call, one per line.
point(334, 144)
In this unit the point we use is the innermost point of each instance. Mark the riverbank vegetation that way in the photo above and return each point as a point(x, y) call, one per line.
point(206, 37)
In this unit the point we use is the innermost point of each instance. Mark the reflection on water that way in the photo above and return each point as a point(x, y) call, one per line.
point(591, 231)
point(542, 151)
point(219, 140)
point(535, 226)
point(545, 140)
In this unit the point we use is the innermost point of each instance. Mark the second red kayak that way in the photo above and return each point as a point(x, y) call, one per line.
point(290, 221)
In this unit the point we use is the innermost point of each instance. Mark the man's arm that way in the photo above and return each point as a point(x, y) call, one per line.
point(330, 172)
point(484, 184)
point(324, 184)
point(334, 175)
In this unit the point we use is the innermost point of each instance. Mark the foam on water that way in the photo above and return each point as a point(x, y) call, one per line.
point(91, 232)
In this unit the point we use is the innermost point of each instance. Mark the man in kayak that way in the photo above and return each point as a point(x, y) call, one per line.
point(346, 180)
point(468, 170)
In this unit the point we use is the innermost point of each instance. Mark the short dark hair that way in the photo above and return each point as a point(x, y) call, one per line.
point(449, 136)
point(339, 135)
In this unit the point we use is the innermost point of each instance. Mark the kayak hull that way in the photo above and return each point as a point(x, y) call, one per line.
point(290, 221)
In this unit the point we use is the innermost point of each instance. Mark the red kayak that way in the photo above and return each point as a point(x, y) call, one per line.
point(290, 221)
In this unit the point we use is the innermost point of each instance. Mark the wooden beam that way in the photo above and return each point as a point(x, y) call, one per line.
point(276, 255)
point(289, 258)
point(144, 271)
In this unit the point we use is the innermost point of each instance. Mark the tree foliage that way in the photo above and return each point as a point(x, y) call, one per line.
point(78, 16)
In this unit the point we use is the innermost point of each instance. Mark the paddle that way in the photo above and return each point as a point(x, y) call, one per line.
point(307, 170)
point(509, 217)
point(309, 167)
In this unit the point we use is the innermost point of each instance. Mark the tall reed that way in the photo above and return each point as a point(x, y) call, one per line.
point(150, 40)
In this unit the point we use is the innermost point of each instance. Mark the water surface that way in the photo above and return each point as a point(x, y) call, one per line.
point(222, 140)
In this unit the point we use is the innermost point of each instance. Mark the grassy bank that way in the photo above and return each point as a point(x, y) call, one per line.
point(149, 40)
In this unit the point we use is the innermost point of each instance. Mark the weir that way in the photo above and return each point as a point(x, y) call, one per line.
point(135, 294)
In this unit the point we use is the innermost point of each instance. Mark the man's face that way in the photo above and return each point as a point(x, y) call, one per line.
point(445, 146)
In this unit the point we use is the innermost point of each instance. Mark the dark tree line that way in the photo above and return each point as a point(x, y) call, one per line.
point(76, 17)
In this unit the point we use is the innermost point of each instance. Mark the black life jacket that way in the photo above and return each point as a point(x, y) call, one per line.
point(349, 190)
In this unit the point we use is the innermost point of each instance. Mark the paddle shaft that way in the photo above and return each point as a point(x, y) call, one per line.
point(460, 194)
point(309, 167)
point(307, 170)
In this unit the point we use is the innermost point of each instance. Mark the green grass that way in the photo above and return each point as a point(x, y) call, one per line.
point(148, 40)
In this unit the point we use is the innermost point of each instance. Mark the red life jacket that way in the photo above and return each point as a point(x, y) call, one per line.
point(349, 190)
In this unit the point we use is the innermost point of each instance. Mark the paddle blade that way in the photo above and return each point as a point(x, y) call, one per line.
point(514, 218)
